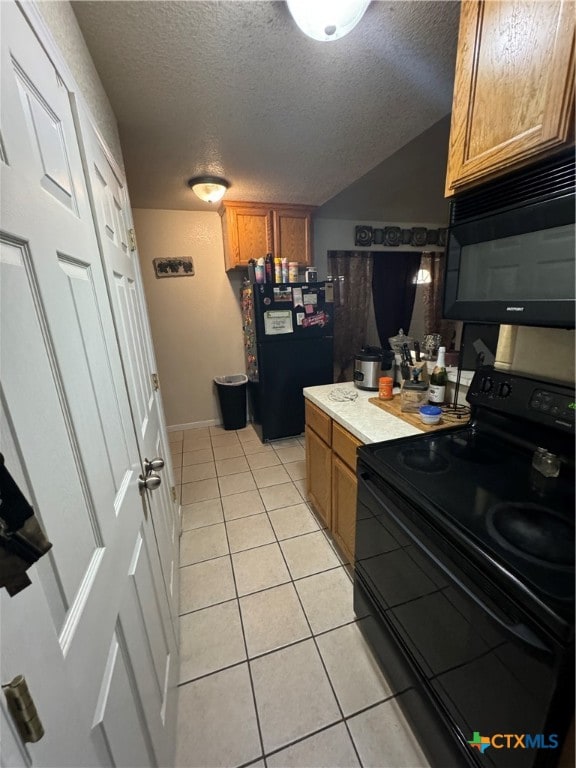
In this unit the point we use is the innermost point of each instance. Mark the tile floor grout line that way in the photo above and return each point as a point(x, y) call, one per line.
point(308, 736)
point(376, 704)
point(313, 637)
point(211, 673)
point(258, 725)
point(302, 640)
point(262, 655)
point(259, 546)
point(244, 517)
point(292, 581)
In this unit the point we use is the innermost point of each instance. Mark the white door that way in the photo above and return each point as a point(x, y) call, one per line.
point(92, 634)
point(111, 208)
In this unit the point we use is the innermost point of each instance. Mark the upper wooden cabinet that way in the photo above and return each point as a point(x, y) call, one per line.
point(252, 230)
point(293, 233)
point(513, 88)
point(247, 232)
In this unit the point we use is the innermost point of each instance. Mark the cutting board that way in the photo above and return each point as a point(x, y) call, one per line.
point(393, 407)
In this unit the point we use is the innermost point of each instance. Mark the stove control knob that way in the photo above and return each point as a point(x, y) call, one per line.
point(504, 389)
point(486, 385)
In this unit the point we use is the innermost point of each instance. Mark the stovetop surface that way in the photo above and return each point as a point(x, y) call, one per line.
point(488, 489)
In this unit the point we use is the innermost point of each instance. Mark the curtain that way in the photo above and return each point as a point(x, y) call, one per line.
point(351, 273)
point(433, 297)
point(393, 291)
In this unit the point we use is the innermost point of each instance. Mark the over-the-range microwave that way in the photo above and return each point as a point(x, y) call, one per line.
point(510, 249)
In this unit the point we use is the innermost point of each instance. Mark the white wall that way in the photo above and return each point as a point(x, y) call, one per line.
point(540, 352)
point(196, 321)
point(338, 235)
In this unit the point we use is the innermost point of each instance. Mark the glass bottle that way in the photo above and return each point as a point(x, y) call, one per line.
point(259, 270)
point(269, 268)
point(547, 463)
point(284, 264)
point(438, 380)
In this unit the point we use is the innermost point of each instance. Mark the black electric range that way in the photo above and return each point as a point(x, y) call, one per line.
point(465, 568)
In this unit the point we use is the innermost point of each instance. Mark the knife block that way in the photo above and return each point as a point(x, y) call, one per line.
point(423, 376)
point(413, 395)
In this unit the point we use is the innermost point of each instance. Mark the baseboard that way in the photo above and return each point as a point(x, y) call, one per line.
point(197, 424)
point(194, 425)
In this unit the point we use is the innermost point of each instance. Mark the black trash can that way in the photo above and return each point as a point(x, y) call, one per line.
point(232, 397)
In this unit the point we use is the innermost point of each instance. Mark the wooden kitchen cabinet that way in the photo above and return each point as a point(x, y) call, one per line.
point(251, 230)
point(331, 476)
point(344, 489)
point(319, 475)
point(293, 233)
point(319, 461)
point(513, 89)
point(247, 233)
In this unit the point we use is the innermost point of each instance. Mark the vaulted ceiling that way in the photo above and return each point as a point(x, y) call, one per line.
point(235, 89)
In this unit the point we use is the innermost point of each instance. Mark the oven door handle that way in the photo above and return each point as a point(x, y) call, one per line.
point(519, 631)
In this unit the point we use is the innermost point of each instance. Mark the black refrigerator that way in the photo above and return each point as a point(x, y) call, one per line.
point(288, 345)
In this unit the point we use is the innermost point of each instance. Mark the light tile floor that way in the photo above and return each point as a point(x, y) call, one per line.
point(274, 668)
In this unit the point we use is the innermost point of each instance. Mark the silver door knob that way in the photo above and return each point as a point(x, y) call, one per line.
point(153, 465)
point(150, 482)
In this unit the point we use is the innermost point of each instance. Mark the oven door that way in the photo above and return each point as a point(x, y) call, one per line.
point(482, 665)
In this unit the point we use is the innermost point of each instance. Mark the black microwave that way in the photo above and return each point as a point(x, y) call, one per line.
point(510, 249)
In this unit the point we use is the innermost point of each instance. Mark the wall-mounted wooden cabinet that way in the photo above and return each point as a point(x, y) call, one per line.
point(252, 230)
point(331, 476)
point(293, 233)
point(513, 89)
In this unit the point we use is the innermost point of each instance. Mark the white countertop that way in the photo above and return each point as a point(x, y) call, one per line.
point(364, 420)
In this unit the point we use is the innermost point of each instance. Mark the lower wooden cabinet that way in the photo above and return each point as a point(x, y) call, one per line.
point(319, 475)
point(344, 487)
point(331, 476)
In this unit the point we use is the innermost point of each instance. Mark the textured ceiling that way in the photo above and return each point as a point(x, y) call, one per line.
point(235, 89)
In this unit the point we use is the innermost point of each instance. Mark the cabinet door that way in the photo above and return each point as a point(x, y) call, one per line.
point(513, 89)
point(318, 475)
point(345, 445)
point(247, 231)
point(319, 422)
point(344, 486)
point(293, 234)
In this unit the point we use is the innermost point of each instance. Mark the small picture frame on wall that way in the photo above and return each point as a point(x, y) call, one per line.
point(177, 267)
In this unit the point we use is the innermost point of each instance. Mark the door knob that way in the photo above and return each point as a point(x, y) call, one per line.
point(150, 482)
point(153, 465)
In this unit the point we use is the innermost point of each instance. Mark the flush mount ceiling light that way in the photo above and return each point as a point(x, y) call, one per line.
point(209, 188)
point(327, 20)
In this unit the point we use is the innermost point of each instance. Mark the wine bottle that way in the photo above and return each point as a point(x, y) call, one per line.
point(438, 380)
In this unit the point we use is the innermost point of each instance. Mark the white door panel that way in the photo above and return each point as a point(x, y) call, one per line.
point(93, 633)
point(30, 646)
point(119, 733)
point(112, 213)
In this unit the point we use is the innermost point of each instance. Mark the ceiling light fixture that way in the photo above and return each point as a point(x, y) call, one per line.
point(327, 20)
point(210, 189)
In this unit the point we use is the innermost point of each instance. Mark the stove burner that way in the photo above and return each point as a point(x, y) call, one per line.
point(424, 460)
point(464, 447)
point(535, 533)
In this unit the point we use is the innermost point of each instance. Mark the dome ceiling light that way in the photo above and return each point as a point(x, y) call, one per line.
point(210, 189)
point(327, 20)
